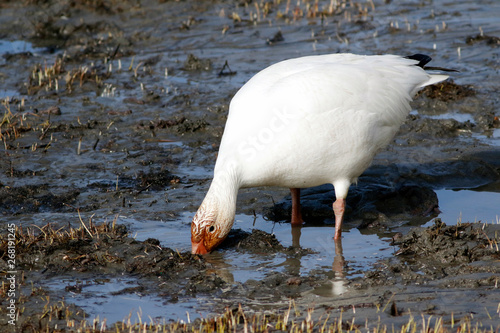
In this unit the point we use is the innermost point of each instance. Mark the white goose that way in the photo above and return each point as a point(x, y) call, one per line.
point(305, 122)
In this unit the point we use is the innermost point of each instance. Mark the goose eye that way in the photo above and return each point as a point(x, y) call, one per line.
point(211, 229)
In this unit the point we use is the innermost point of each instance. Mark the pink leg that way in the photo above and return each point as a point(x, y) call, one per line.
point(338, 209)
point(296, 214)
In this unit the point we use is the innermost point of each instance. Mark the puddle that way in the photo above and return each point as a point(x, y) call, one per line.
point(17, 46)
point(107, 298)
point(469, 206)
point(492, 138)
point(360, 251)
point(4, 93)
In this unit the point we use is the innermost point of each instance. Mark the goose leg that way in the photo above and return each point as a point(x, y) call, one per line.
point(338, 209)
point(296, 214)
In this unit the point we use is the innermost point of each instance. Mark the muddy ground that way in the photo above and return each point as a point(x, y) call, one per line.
point(432, 271)
point(116, 109)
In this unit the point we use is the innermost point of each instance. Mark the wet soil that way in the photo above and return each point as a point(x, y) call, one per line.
point(436, 260)
point(113, 111)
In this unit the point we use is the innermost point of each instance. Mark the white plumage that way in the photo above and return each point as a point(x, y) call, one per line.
point(305, 122)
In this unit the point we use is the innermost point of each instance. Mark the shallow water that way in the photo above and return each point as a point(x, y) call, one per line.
point(359, 250)
point(469, 206)
point(105, 298)
point(17, 46)
point(360, 253)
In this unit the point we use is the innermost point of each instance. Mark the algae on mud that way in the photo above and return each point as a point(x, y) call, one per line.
point(116, 110)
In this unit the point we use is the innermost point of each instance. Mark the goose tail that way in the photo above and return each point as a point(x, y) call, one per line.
point(434, 78)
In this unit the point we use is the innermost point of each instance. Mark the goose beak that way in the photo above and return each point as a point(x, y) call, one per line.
point(198, 248)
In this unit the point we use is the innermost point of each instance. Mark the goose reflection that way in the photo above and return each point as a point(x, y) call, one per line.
point(337, 285)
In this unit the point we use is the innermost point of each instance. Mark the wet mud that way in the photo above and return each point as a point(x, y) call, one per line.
point(433, 260)
point(112, 111)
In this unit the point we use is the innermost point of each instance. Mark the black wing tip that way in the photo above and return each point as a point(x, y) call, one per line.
point(421, 58)
point(424, 59)
point(441, 69)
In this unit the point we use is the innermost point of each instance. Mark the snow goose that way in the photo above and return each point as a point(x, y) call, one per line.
point(305, 122)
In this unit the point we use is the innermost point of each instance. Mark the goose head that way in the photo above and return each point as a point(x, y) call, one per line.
point(206, 233)
point(211, 224)
point(215, 217)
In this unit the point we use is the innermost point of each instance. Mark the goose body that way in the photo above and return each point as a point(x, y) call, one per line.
point(305, 122)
